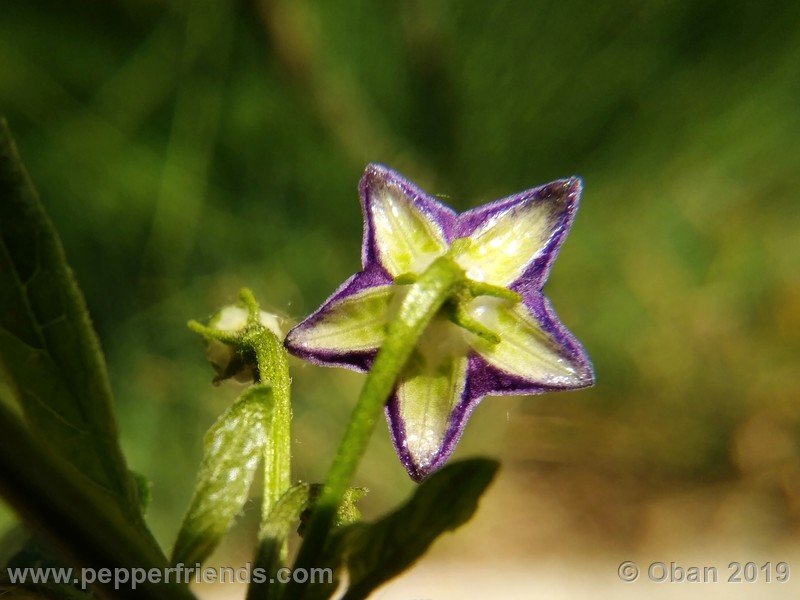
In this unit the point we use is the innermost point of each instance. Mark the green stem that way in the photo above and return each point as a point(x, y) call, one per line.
point(423, 301)
point(273, 369)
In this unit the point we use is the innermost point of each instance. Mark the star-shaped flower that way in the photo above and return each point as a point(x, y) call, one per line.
point(498, 336)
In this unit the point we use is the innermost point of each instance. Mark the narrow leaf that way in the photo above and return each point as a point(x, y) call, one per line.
point(374, 553)
point(290, 512)
point(347, 512)
point(49, 353)
point(233, 448)
point(272, 536)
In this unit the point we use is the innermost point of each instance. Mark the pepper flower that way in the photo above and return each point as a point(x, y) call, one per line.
point(498, 335)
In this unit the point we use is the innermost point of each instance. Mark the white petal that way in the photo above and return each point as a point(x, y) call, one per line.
point(504, 246)
point(407, 240)
point(525, 350)
point(356, 323)
point(429, 391)
point(233, 317)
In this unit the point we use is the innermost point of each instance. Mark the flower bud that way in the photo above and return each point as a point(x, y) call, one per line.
point(230, 362)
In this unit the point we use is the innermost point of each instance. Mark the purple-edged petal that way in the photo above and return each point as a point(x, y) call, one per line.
point(426, 412)
point(536, 353)
point(405, 229)
point(516, 238)
point(513, 243)
point(349, 327)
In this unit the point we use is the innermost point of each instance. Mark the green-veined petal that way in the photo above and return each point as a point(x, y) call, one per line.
point(406, 239)
point(354, 324)
point(430, 389)
point(503, 247)
point(525, 350)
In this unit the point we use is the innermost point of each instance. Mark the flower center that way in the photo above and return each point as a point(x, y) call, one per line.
point(468, 306)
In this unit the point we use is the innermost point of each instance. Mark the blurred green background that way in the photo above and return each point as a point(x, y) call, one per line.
point(186, 149)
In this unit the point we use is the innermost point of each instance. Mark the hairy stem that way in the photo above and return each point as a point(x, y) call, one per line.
point(421, 304)
point(273, 370)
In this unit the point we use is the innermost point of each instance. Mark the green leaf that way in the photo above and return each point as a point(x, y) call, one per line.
point(374, 553)
point(291, 510)
point(74, 518)
point(347, 512)
point(286, 514)
point(233, 448)
point(49, 353)
point(272, 536)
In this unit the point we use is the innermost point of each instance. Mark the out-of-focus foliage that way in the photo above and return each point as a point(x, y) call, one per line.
point(49, 355)
point(187, 149)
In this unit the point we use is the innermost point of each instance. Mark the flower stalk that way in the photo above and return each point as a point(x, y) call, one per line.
point(427, 296)
point(273, 370)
